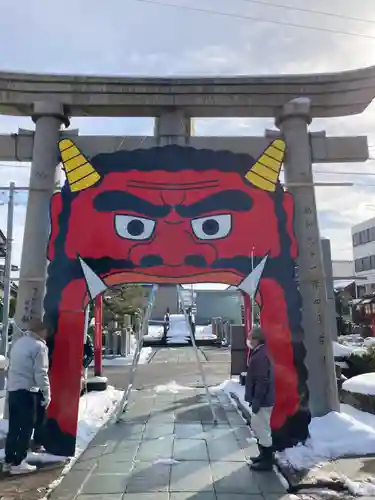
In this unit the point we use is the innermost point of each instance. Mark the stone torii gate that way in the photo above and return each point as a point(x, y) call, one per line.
point(292, 100)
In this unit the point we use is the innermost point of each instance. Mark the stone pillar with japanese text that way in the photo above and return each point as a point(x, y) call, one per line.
point(293, 122)
point(48, 117)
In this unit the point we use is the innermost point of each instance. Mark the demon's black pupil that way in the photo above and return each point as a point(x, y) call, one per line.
point(210, 227)
point(136, 227)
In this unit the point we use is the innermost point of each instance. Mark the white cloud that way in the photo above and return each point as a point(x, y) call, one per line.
point(134, 38)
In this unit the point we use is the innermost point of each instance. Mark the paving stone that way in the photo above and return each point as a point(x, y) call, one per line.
point(153, 449)
point(83, 465)
point(105, 484)
point(191, 476)
point(235, 419)
point(218, 431)
point(71, 483)
point(161, 417)
point(143, 496)
point(93, 452)
point(114, 467)
point(114, 496)
point(130, 431)
point(241, 496)
point(157, 430)
point(121, 454)
point(269, 482)
point(193, 495)
point(226, 449)
point(148, 477)
point(234, 477)
point(188, 431)
point(190, 449)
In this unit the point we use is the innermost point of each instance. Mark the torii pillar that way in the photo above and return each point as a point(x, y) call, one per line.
point(293, 122)
point(48, 117)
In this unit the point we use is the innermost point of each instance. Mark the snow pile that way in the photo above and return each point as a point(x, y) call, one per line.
point(124, 361)
point(369, 342)
point(360, 488)
point(95, 408)
point(335, 435)
point(232, 386)
point(361, 384)
point(351, 432)
point(171, 387)
point(155, 331)
point(178, 332)
point(204, 332)
point(344, 350)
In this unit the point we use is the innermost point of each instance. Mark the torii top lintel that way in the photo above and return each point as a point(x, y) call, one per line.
point(331, 94)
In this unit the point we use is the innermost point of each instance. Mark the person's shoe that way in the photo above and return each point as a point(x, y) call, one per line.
point(23, 468)
point(259, 458)
point(265, 464)
point(38, 448)
point(6, 467)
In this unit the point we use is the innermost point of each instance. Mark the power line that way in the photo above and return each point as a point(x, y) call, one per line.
point(254, 18)
point(325, 172)
point(311, 11)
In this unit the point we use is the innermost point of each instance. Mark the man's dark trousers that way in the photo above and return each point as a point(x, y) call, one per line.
point(39, 419)
point(21, 424)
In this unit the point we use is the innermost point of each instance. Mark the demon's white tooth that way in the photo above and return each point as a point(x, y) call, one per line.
point(250, 284)
point(95, 285)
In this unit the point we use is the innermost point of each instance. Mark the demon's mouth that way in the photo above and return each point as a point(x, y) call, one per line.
point(97, 285)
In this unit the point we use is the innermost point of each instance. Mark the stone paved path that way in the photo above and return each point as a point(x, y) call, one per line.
point(166, 448)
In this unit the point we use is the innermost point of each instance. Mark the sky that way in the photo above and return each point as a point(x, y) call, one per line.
point(152, 38)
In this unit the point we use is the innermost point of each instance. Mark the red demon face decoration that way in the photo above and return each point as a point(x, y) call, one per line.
point(173, 215)
point(171, 227)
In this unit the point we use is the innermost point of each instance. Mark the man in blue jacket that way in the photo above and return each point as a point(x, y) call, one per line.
point(260, 394)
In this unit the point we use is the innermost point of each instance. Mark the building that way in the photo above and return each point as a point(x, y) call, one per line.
point(363, 241)
point(3, 241)
point(13, 286)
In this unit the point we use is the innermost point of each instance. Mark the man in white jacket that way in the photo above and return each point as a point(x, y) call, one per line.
point(27, 373)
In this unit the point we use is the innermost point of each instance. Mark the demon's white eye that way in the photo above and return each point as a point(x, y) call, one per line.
point(134, 228)
point(213, 227)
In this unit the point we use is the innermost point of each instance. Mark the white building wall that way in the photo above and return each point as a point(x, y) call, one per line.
point(361, 251)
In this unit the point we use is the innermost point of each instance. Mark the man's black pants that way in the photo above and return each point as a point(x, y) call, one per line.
point(25, 413)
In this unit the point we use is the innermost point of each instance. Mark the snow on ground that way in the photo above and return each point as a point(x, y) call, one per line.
point(171, 387)
point(351, 432)
point(344, 350)
point(123, 361)
point(155, 331)
point(95, 408)
point(178, 332)
point(361, 384)
point(204, 332)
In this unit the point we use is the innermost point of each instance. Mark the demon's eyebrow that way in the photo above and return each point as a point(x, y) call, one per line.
point(235, 200)
point(112, 201)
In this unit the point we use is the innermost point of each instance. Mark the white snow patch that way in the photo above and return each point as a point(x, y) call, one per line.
point(171, 387)
point(179, 332)
point(127, 360)
point(3, 362)
point(346, 349)
point(155, 331)
point(360, 488)
point(166, 461)
point(204, 332)
point(95, 409)
point(361, 384)
point(351, 432)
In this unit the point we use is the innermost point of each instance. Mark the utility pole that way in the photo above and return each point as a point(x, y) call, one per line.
point(7, 284)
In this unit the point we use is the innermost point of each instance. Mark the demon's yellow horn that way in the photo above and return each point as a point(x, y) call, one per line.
point(265, 172)
point(79, 172)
